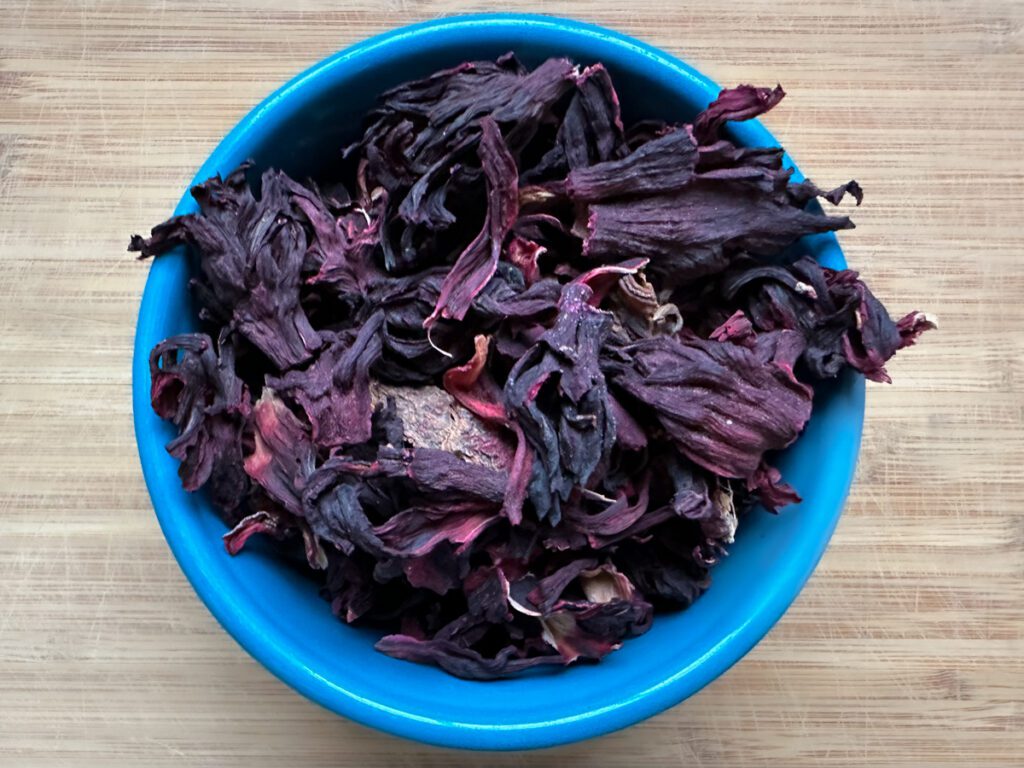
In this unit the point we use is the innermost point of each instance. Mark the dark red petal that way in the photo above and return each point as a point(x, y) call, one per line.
point(476, 265)
point(740, 103)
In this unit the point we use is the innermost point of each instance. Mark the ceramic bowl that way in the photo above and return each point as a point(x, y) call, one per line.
point(275, 612)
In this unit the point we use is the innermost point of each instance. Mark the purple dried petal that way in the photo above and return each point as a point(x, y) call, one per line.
point(591, 130)
point(436, 570)
point(737, 329)
point(724, 154)
point(771, 491)
point(665, 570)
point(506, 301)
point(524, 254)
point(592, 630)
point(841, 321)
point(487, 593)
point(423, 129)
point(351, 590)
point(335, 513)
point(200, 392)
point(600, 280)
point(549, 589)
point(628, 432)
point(697, 231)
point(721, 404)
point(661, 166)
point(430, 474)
point(417, 530)
point(335, 390)
point(476, 265)
point(283, 455)
point(572, 430)
point(250, 254)
point(912, 325)
point(258, 522)
point(450, 105)
point(341, 247)
point(601, 528)
point(873, 337)
point(743, 102)
point(460, 661)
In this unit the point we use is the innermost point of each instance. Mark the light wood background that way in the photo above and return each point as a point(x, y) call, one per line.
point(906, 648)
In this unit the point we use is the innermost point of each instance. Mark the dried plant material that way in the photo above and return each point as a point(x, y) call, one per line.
point(509, 386)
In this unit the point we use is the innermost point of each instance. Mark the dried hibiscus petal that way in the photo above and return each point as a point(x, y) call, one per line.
point(283, 456)
point(558, 395)
point(200, 392)
point(698, 230)
point(590, 132)
point(460, 660)
point(664, 164)
point(334, 390)
point(250, 254)
point(724, 405)
point(740, 103)
point(476, 265)
point(842, 322)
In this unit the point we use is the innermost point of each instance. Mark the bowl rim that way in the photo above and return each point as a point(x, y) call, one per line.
point(678, 685)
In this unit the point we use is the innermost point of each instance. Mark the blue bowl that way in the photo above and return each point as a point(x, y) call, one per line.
point(276, 613)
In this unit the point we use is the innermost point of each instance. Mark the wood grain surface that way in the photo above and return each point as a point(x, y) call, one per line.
point(907, 646)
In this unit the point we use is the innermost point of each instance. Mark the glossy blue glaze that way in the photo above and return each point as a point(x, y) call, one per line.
point(276, 614)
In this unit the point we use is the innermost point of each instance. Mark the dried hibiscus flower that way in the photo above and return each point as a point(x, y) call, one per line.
point(509, 385)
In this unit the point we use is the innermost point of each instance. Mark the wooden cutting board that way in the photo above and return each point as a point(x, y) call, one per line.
point(906, 648)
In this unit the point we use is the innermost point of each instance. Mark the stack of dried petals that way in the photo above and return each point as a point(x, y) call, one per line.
point(509, 385)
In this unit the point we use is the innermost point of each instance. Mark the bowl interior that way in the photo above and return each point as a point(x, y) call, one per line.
point(276, 613)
